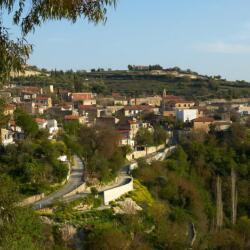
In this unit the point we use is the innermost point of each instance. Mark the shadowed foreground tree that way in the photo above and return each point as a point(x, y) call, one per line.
point(20, 228)
point(29, 14)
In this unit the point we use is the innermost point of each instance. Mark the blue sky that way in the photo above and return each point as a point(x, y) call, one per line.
point(208, 36)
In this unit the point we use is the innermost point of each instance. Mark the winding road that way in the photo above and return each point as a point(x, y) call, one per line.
point(75, 180)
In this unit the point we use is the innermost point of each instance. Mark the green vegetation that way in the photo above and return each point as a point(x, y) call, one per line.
point(20, 228)
point(142, 83)
point(141, 195)
point(145, 137)
point(98, 147)
point(33, 164)
point(26, 122)
point(177, 192)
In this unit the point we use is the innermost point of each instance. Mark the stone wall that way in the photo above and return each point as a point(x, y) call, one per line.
point(139, 154)
point(77, 190)
point(115, 193)
point(32, 199)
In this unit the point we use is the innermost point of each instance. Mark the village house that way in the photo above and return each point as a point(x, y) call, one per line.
point(29, 93)
point(179, 104)
point(222, 125)
point(28, 107)
point(41, 122)
point(9, 109)
point(112, 110)
point(149, 100)
point(130, 111)
point(50, 125)
point(43, 101)
point(90, 113)
point(121, 101)
point(64, 95)
point(243, 110)
point(168, 113)
point(131, 125)
point(6, 137)
point(125, 139)
point(5, 94)
point(203, 123)
point(16, 99)
point(186, 115)
point(84, 98)
point(75, 117)
point(106, 121)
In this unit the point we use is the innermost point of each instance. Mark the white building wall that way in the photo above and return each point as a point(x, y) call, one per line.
point(186, 115)
point(244, 110)
point(115, 193)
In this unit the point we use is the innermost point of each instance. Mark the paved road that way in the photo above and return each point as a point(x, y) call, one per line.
point(75, 179)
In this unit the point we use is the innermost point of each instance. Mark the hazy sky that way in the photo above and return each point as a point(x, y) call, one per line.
point(208, 36)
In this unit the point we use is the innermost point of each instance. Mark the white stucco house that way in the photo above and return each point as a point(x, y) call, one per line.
point(186, 115)
point(52, 126)
point(6, 137)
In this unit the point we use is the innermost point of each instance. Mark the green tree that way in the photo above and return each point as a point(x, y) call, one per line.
point(144, 137)
point(160, 135)
point(20, 228)
point(26, 122)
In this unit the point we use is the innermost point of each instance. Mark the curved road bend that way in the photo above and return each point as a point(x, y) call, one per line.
point(75, 179)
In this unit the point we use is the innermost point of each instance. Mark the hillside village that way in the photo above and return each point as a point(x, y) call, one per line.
point(50, 107)
point(86, 154)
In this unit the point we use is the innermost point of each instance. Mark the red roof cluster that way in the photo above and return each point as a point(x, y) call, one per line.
point(42, 98)
point(81, 96)
point(71, 117)
point(31, 89)
point(87, 107)
point(40, 120)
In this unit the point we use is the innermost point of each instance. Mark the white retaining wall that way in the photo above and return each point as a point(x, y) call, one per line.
point(115, 193)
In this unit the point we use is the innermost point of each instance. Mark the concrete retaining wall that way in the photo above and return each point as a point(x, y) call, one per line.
point(115, 193)
point(32, 199)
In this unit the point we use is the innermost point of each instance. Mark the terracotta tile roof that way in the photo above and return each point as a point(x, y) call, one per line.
point(71, 117)
point(81, 96)
point(10, 107)
point(42, 98)
point(204, 119)
point(87, 107)
point(172, 97)
point(132, 122)
point(116, 95)
point(40, 120)
point(31, 89)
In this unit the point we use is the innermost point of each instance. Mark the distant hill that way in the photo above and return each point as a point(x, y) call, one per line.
point(138, 83)
point(29, 71)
